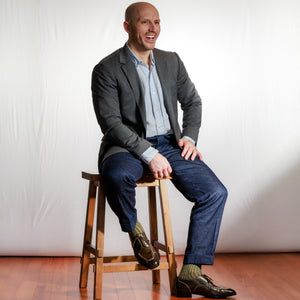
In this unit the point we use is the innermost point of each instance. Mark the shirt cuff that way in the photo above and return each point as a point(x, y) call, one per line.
point(188, 138)
point(148, 155)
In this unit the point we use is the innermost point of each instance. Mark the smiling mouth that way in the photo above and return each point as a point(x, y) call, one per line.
point(150, 37)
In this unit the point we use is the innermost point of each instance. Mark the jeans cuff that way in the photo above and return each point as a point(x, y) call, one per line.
point(128, 227)
point(198, 259)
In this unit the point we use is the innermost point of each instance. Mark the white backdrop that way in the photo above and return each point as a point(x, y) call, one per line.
point(244, 58)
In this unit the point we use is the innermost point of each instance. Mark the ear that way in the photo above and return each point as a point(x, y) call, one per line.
point(126, 26)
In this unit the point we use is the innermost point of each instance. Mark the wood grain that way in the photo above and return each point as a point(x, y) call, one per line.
point(254, 276)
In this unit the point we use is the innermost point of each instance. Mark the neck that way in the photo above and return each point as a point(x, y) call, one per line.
point(142, 55)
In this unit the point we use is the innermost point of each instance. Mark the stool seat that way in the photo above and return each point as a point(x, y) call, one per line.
point(103, 264)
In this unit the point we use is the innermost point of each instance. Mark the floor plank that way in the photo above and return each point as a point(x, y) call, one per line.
point(253, 276)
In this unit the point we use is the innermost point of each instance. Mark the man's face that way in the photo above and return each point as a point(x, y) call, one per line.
point(144, 28)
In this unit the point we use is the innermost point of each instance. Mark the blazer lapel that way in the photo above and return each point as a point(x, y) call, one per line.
point(130, 72)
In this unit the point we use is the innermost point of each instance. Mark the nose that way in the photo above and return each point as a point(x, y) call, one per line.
point(152, 26)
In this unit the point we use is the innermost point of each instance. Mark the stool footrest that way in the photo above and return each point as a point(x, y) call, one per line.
point(132, 267)
point(160, 246)
point(91, 249)
point(115, 259)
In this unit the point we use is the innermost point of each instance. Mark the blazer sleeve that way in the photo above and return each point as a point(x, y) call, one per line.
point(107, 108)
point(190, 102)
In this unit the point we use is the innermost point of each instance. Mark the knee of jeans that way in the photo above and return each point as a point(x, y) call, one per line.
point(221, 192)
point(118, 180)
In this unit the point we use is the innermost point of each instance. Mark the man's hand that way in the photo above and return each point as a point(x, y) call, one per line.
point(160, 166)
point(189, 150)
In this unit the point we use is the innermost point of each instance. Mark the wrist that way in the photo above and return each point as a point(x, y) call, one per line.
point(148, 155)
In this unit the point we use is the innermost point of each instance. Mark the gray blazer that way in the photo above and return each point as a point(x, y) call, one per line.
point(119, 101)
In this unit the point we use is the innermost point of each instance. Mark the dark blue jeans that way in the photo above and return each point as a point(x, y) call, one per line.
point(193, 179)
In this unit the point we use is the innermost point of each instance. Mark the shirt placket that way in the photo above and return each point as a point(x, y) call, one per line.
point(155, 101)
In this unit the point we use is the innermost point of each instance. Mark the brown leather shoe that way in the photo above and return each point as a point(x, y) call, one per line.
point(144, 251)
point(203, 286)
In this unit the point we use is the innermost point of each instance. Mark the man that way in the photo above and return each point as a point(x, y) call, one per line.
point(135, 93)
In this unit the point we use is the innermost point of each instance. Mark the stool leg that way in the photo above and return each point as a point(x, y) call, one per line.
point(98, 276)
point(153, 227)
point(87, 239)
point(168, 236)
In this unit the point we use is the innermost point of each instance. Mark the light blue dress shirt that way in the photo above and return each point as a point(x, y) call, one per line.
point(157, 119)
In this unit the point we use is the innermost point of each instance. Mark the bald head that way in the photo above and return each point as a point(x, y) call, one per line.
point(132, 11)
point(142, 24)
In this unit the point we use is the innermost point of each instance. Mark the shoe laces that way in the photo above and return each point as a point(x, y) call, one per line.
point(142, 238)
point(209, 280)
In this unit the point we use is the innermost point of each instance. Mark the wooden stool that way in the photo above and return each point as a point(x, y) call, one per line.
point(99, 261)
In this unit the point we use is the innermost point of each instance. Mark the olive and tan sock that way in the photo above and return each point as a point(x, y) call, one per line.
point(190, 272)
point(138, 228)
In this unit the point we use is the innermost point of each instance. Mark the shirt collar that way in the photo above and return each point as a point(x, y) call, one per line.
point(136, 60)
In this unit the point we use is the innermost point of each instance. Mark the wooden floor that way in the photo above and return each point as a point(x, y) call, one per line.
point(253, 276)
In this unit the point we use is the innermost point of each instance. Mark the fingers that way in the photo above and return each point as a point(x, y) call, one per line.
point(194, 154)
point(189, 150)
point(200, 156)
point(186, 154)
point(162, 173)
point(155, 174)
point(160, 166)
point(169, 171)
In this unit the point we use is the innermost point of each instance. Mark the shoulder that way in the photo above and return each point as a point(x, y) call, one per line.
point(167, 57)
point(110, 60)
point(165, 54)
point(168, 62)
